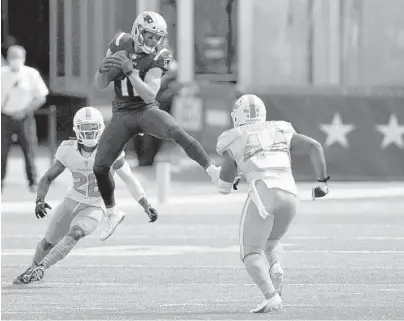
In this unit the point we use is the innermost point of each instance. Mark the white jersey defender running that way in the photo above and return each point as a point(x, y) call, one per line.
point(261, 150)
point(82, 209)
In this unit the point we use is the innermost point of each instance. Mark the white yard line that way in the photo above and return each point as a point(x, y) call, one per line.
point(169, 250)
point(210, 267)
point(336, 194)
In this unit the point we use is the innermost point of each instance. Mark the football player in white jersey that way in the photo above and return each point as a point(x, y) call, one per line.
point(82, 208)
point(261, 150)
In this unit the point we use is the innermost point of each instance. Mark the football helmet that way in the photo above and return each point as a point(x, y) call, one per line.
point(248, 109)
point(88, 125)
point(149, 21)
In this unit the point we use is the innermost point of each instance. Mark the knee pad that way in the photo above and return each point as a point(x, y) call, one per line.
point(76, 232)
point(101, 169)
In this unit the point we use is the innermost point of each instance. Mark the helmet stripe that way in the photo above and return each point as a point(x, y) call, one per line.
point(88, 112)
point(251, 103)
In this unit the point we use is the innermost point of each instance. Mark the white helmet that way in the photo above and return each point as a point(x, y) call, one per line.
point(149, 21)
point(248, 109)
point(88, 125)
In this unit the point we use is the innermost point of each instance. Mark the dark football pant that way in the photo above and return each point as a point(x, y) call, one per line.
point(116, 135)
point(26, 131)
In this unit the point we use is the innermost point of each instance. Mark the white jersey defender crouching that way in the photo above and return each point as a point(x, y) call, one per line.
point(82, 208)
point(261, 150)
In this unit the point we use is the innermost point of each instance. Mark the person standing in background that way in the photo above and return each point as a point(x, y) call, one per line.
point(23, 91)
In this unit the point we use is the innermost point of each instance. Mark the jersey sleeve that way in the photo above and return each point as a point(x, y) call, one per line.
point(287, 129)
point(225, 140)
point(162, 60)
point(121, 41)
point(63, 151)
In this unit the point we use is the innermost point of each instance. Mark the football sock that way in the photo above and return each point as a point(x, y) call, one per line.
point(40, 253)
point(110, 210)
point(259, 273)
point(106, 186)
point(59, 252)
point(191, 146)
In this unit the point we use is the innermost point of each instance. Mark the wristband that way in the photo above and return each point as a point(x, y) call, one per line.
point(325, 180)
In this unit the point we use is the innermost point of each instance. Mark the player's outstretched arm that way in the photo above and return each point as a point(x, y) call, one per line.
point(227, 174)
point(302, 144)
point(43, 187)
point(123, 170)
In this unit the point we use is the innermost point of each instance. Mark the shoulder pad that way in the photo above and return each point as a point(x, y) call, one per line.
point(162, 59)
point(225, 139)
point(121, 41)
point(69, 142)
point(64, 150)
point(283, 125)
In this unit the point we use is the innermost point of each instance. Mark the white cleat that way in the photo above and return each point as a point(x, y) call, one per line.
point(214, 172)
point(111, 222)
point(276, 273)
point(271, 305)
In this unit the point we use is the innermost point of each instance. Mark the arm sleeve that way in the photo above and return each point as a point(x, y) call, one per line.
point(287, 130)
point(225, 140)
point(132, 183)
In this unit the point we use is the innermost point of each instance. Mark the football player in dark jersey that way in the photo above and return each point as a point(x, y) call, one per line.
point(143, 61)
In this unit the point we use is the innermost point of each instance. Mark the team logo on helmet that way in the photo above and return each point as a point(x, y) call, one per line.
point(147, 19)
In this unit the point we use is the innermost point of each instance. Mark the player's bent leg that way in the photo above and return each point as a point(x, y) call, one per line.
point(85, 221)
point(112, 142)
point(284, 214)
point(60, 223)
point(273, 251)
point(57, 229)
point(162, 125)
point(59, 252)
point(254, 231)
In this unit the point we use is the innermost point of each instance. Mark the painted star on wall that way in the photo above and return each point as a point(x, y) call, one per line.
point(392, 132)
point(336, 131)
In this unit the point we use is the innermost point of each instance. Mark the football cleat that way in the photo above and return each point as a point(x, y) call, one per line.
point(111, 222)
point(38, 273)
point(271, 305)
point(25, 277)
point(276, 273)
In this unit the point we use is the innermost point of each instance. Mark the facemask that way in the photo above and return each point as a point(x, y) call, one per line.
point(16, 63)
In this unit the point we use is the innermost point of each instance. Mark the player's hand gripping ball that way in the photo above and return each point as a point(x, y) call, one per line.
point(117, 65)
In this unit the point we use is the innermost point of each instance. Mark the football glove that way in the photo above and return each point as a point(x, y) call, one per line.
point(40, 208)
point(237, 181)
point(149, 210)
point(321, 188)
point(121, 61)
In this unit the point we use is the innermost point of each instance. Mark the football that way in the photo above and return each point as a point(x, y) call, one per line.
point(116, 73)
